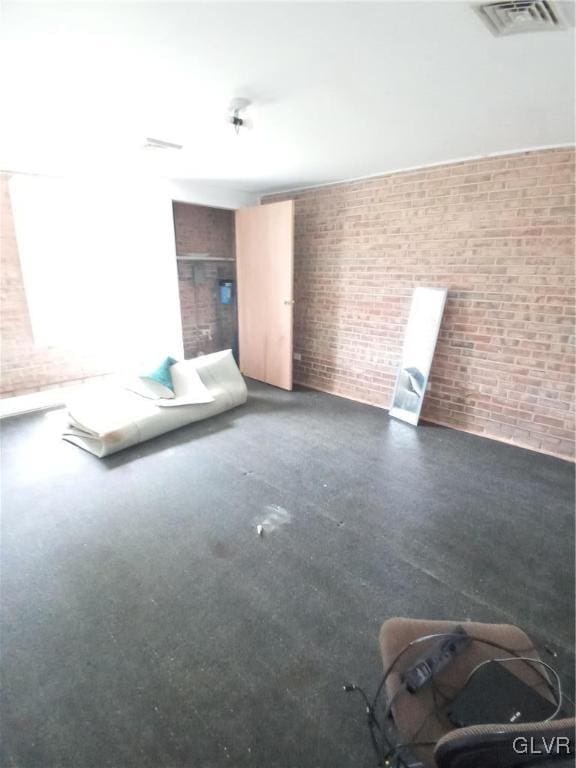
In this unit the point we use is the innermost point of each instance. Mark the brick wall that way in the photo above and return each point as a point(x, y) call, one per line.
point(207, 325)
point(499, 234)
point(24, 367)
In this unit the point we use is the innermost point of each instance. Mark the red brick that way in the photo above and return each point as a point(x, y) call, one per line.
point(499, 233)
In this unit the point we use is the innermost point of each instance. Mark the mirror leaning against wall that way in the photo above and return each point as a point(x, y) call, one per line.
point(419, 344)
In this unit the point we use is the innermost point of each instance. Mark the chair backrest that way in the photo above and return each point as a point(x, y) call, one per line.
point(508, 746)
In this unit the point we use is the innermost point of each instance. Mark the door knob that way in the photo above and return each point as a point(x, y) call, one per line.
point(289, 301)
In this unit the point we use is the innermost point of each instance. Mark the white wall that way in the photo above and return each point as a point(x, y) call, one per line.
point(197, 193)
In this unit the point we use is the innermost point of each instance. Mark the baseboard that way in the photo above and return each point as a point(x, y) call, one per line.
point(466, 430)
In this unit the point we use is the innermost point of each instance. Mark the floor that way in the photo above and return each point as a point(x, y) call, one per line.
point(147, 625)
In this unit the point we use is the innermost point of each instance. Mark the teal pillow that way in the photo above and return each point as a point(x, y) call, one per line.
point(162, 377)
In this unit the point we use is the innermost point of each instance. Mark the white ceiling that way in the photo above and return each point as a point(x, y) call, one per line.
point(340, 90)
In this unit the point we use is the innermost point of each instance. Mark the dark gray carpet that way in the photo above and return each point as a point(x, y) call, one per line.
point(145, 625)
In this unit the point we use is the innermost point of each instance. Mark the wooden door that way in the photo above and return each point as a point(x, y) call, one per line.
point(265, 269)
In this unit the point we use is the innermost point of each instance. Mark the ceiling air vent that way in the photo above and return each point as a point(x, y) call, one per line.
point(518, 16)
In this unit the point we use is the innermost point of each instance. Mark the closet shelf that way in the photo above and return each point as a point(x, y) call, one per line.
point(201, 257)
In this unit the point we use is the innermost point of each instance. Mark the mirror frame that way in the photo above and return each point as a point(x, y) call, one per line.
point(413, 417)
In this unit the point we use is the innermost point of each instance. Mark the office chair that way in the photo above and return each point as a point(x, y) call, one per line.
point(426, 738)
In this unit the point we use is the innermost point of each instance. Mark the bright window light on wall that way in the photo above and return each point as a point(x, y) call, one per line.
point(99, 269)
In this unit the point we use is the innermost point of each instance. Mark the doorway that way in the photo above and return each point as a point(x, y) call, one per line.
point(206, 259)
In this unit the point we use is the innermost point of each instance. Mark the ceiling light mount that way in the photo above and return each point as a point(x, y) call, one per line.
point(236, 114)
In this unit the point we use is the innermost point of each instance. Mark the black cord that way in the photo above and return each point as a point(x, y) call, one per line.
point(446, 635)
point(417, 744)
point(435, 693)
point(437, 709)
point(371, 706)
point(412, 744)
point(371, 718)
point(434, 711)
point(353, 688)
point(388, 749)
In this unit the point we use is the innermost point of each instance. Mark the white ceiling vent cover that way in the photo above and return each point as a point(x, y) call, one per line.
point(518, 16)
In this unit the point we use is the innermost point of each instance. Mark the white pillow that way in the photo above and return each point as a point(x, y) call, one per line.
point(149, 388)
point(189, 389)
